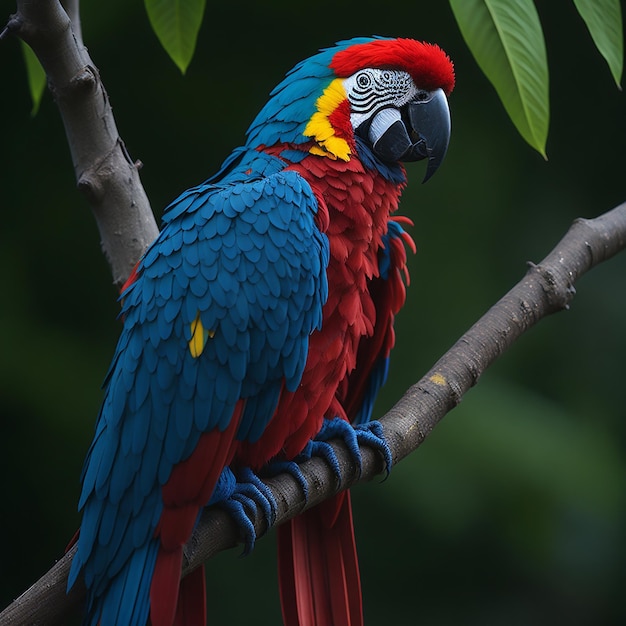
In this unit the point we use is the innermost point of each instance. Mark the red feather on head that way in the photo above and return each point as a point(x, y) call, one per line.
point(429, 66)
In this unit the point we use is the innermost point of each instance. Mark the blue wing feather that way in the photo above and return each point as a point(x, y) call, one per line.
point(238, 255)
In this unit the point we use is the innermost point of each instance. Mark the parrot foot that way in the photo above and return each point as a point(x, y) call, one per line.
point(250, 495)
point(274, 468)
point(370, 434)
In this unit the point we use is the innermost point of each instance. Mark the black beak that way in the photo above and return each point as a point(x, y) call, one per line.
point(429, 130)
point(422, 132)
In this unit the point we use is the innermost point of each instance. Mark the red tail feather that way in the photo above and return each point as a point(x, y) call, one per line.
point(163, 591)
point(187, 490)
point(318, 567)
point(191, 609)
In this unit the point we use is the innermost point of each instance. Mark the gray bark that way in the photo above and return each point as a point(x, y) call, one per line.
point(105, 173)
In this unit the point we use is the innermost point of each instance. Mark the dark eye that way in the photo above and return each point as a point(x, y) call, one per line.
point(363, 80)
point(422, 95)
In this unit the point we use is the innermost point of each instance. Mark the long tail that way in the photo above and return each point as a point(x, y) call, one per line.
point(191, 607)
point(318, 567)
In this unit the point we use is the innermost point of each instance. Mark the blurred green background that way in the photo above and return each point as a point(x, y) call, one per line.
point(514, 510)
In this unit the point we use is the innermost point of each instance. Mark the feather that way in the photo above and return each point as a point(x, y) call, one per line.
point(163, 592)
point(318, 568)
point(191, 607)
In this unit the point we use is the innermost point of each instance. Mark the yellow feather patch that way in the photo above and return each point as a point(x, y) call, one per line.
point(320, 128)
point(199, 337)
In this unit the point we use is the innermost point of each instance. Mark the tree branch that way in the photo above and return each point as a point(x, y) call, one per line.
point(104, 171)
point(72, 8)
point(545, 289)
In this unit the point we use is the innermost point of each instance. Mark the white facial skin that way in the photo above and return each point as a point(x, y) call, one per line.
point(399, 120)
point(378, 95)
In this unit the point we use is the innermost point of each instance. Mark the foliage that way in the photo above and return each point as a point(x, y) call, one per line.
point(604, 21)
point(176, 24)
point(505, 37)
point(36, 77)
point(507, 41)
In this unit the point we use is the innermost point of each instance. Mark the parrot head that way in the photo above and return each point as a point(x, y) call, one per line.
point(382, 100)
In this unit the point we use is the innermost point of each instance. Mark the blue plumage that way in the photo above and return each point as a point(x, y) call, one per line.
point(247, 260)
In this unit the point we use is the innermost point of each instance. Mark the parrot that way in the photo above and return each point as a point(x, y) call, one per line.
point(258, 323)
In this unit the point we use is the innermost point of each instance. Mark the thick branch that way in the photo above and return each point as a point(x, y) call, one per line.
point(546, 289)
point(72, 8)
point(104, 171)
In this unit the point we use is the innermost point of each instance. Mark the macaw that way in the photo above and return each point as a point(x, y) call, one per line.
point(260, 318)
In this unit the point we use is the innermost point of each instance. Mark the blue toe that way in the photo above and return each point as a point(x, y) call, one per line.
point(245, 495)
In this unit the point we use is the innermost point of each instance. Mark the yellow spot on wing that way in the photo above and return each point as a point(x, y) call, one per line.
point(199, 336)
point(438, 379)
point(320, 128)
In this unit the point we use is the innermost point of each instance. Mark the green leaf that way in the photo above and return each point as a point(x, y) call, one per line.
point(506, 39)
point(176, 24)
point(36, 77)
point(604, 21)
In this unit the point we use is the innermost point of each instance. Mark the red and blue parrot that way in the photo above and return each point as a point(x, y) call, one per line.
point(260, 320)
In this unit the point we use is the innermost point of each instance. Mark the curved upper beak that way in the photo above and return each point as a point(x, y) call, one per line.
point(418, 130)
point(428, 125)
